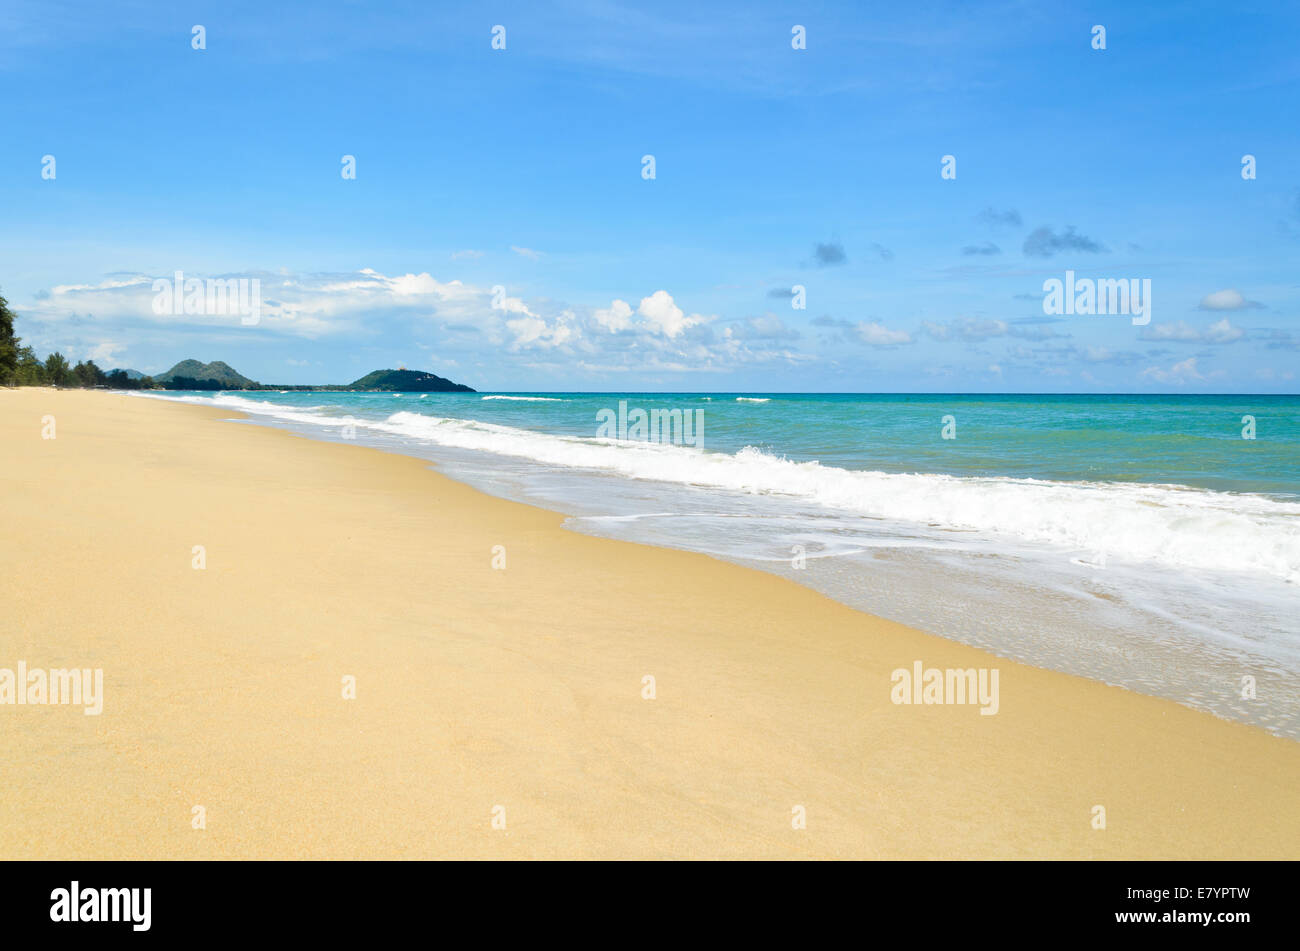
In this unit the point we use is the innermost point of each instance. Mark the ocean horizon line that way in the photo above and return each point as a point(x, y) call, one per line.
point(1174, 395)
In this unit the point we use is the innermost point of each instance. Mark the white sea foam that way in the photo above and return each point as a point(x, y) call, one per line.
point(527, 399)
point(753, 399)
point(293, 414)
point(1171, 525)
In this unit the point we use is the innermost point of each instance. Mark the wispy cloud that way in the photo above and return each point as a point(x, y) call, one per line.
point(1219, 332)
point(999, 219)
point(875, 334)
point(1044, 242)
point(1180, 373)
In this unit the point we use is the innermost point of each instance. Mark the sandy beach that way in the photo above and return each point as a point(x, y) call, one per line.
point(516, 693)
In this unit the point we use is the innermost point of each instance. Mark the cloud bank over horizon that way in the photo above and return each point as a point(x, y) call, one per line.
point(451, 324)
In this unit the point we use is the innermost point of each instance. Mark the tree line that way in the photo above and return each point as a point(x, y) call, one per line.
point(19, 365)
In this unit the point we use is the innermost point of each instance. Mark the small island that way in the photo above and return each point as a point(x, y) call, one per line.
point(193, 375)
point(401, 381)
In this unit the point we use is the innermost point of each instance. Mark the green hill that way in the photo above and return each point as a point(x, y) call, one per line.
point(215, 375)
point(193, 375)
point(406, 381)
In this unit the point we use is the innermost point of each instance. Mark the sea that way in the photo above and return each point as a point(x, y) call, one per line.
point(1149, 542)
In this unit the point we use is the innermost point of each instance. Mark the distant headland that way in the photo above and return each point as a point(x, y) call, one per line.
point(195, 375)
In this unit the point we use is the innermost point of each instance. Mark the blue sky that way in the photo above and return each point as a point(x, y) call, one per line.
point(521, 169)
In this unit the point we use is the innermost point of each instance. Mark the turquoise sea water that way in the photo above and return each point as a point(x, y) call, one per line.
point(1186, 440)
point(1138, 540)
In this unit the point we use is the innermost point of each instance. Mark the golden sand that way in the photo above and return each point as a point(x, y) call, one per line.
point(520, 688)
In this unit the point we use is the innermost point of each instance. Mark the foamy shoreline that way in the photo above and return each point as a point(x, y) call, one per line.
point(1063, 570)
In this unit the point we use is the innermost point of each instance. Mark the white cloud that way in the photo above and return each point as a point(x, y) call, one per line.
point(767, 327)
point(1229, 299)
point(967, 328)
point(526, 252)
point(513, 305)
point(617, 316)
point(1223, 332)
point(533, 331)
point(972, 329)
point(415, 285)
point(878, 335)
point(527, 330)
point(661, 313)
point(102, 353)
point(362, 306)
point(1176, 331)
point(1184, 372)
point(135, 280)
point(301, 305)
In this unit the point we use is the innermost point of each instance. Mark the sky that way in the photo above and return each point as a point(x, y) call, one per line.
point(502, 228)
